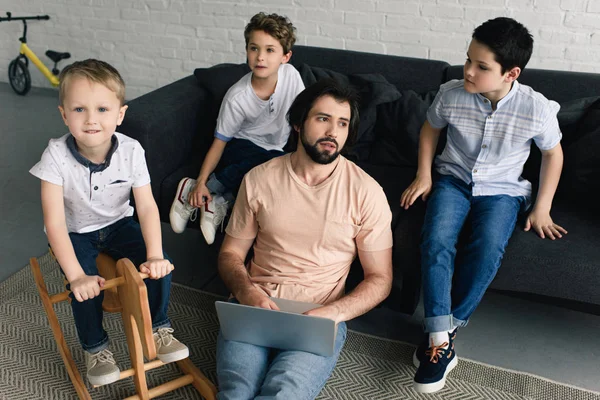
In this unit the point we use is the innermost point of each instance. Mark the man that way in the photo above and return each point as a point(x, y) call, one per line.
point(306, 215)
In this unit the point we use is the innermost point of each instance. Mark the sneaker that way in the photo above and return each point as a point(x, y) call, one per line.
point(101, 368)
point(211, 216)
point(433, 369)
point(169, 349)
point(419, 353)
point(181, 210)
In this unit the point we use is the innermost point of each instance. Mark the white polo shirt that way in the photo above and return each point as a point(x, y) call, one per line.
point(244, 115)
point(94, 200)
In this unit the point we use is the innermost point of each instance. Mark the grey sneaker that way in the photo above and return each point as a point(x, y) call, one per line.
point(101, 368)
point(169, 349)
point(181, 210)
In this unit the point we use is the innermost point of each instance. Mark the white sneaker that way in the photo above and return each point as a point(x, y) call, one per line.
point(169, 349)
point(101, 368)
point(211, 216)
point(181, 210)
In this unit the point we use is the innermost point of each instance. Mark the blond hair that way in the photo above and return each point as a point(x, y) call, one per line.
point(278, 26)
point(95, 71)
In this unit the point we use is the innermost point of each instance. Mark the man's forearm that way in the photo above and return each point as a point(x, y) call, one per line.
point(368, 294)
point(233, 273)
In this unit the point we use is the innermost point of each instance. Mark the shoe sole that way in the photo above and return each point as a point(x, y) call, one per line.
point(104, 379)
point(435, 386)
point(172, 211)
point(175, 356)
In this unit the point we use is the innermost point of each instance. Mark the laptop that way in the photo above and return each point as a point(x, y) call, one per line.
point(287, 329)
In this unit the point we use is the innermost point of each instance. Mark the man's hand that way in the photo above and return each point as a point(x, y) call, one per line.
point(157, 268)
point(542, 224)
point(254, 297)
point(86, 287)
point(418, 187)
point(330, 311)
point(199, 195)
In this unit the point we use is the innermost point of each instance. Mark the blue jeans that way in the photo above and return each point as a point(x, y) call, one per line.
point(119, 240)
point(239, 157)
point(453, 284)
point(245, 371)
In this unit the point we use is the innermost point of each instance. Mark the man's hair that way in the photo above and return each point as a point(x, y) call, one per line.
point(304, 102)
point(95, 71)
point(510, 41)
point(278, 26)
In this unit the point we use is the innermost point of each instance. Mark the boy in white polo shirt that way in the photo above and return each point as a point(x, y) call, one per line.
point(87, 176)
point(251, 127)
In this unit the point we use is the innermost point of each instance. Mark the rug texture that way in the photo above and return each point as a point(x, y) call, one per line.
point(369, 367)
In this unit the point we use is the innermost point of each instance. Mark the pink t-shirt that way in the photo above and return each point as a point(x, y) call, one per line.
point(307, 236)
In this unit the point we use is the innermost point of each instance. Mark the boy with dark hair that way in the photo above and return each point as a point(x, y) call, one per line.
point(87, 177)
point(251, 127)
point(491, 120)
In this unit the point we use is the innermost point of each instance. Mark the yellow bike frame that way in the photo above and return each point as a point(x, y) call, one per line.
point(27, 52)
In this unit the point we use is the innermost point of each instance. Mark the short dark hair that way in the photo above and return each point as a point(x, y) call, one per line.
point(304, 102)
point(510, 41)
point(278, 26)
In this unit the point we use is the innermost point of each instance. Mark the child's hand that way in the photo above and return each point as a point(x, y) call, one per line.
point(543, 225)
point(199, 195)
point(86, 287)
point(157, 268)
point(418, 187)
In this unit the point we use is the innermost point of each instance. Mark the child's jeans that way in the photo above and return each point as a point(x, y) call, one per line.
point(239, 157)
point(119, 240)
point(453, 284)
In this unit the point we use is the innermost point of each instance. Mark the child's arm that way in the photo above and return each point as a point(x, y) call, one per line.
point(156, 266)
point(539, 219)
point(84, 287)
point(428, 141)
point(209, 164)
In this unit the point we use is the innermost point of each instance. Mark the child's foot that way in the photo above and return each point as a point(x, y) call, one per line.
point(169, 349)
point(433, 369)
point(419, 353)
point(101, 368)
point(181, 210)
point(211, 216)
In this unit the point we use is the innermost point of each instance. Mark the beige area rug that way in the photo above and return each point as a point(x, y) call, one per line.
point(369, 367)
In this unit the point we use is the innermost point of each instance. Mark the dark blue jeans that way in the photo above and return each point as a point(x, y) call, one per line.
point(239, 157)
point(453, 284)
point(119, 240)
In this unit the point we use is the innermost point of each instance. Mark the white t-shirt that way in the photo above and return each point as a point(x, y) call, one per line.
point(243, 115)
point(94, 200)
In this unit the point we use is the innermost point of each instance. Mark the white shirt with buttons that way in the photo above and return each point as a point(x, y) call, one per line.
point(94, 200)
point(488, 148)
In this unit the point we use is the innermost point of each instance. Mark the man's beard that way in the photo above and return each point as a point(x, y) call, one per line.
point(320, 157)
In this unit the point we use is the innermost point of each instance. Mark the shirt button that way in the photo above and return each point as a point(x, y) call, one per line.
point(484, 146)
point(474, 171)
point(95, 187)
point(485, 101)
point(489, 117)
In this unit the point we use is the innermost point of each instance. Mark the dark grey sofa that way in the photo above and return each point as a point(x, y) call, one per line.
point(175, 125)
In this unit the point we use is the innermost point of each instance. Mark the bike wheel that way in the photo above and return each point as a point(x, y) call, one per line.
point(18, 76)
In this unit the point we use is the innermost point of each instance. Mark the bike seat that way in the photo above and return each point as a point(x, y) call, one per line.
point(56, 56)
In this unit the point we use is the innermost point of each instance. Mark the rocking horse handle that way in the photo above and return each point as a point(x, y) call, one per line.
point(109, 284)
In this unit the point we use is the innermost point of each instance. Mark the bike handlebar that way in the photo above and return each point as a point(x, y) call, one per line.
point(9, 17)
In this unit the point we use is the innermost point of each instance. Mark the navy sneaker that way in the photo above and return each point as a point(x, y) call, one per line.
point(419, 353)
point(433, 369)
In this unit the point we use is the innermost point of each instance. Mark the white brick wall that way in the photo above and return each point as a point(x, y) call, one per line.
point(154, 42)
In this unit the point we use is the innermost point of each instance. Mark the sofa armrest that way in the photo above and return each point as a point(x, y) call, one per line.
point(167, 123)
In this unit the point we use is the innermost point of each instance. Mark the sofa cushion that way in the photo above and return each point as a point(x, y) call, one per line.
point(373, 89)
point(218, 79)
point(582, 159)
point(398, 127)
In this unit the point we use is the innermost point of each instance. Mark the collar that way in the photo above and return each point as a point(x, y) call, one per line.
point(72, 145)
point(514, 89)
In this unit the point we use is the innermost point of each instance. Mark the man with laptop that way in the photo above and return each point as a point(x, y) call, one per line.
point(306, 215)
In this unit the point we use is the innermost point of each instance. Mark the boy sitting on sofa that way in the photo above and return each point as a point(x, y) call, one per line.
point(251, 127)
point(492, 120)
point(87, 176)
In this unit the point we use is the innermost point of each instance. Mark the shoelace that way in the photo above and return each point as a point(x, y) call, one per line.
point(188, 211)
point(104, 356)
point(220, 213)
point(165, 337)
point(434, 352)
